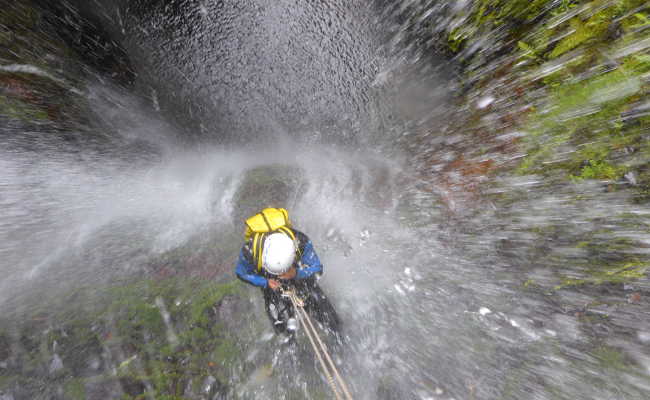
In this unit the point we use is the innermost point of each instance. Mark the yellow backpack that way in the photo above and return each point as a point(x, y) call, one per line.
point(262, 224)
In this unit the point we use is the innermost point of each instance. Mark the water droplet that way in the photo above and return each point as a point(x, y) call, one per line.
point(484, 311)
point(485, 101)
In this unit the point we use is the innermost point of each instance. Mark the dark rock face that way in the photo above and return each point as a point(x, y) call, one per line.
point(103, 389)
point(5, 349)
point(49, 53)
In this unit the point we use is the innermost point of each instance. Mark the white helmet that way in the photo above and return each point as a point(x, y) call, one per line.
point(278, 254)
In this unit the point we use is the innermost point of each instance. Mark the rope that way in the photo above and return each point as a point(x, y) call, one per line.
point(310, 329)
point(330, 379)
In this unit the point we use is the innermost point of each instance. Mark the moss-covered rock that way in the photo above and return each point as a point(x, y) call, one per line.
point(158, 336)
point(74, 389)
point(267, 186)
point(576, 71)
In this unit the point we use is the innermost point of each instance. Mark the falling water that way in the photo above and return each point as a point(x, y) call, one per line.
point(168, 111)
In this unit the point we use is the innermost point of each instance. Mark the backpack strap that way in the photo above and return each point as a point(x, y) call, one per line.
point(258, 242)
point(287, 232)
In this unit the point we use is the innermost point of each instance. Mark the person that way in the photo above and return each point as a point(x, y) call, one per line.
point(274, 257)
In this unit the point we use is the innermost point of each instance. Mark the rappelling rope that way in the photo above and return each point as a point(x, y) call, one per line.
point(299, 311)
point(313, 336)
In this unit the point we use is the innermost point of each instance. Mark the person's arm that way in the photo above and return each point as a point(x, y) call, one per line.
point(310, 261)
point(246, 272)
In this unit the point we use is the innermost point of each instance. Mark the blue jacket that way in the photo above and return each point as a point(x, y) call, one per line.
point(309, 262)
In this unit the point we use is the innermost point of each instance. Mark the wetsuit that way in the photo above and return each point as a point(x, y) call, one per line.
point(308, 267)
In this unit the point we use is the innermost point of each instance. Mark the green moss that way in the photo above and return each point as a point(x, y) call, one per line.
point(203, 344)
point(610, 246)
point(455, 40)
point(583, 107)
point(610, 358)
point(619, 272)
point(528, 51)
point(490, 15)
point(167, 378)
point(499, 12)
point(569, 98)
point(26, 112)
point(208, 297)
point(74, 389)
point(225, 351)
point(593, 29)
point(540, 152)
point(600, 170)
point(584, 112)
point(127, 324)
point(570, 282)
point(623, 273)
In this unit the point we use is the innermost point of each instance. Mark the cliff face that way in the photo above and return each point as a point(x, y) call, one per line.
point(545, 162)
point(572, 76)
point(48, 51)
point(551, 127)
point(102, 340)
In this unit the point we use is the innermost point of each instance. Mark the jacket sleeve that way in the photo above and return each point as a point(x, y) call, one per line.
point(310, 261)
point(246, 272)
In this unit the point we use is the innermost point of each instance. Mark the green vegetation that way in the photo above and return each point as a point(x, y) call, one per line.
point(19, 110)
point(74, 389)
point(488, 16)
point(579, 70)
point(562, 50)
point(195, 335)
point(158, 336)
point(610, 357)
point(598, 169)
point(585, 104)
point(608, 273)
point(33, 90)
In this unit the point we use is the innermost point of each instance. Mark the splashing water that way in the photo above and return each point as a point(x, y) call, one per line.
point(453, 278)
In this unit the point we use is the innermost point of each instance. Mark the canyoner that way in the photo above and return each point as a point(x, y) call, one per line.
point(282, 261)
point(278, 258)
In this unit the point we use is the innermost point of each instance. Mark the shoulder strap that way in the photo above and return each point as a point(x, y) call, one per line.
point(287, 232)
point(258, 241)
